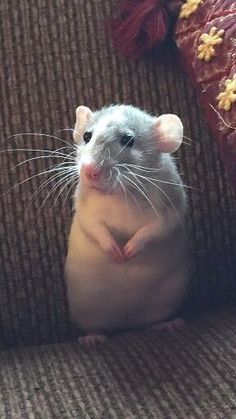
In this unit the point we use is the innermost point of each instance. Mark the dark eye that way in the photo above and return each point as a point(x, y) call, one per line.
point(87, 136)
point(127, 140)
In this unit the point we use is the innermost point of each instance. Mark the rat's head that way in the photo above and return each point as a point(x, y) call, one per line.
point(116, 140)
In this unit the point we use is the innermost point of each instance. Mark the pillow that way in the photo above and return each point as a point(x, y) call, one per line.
point(206, 38)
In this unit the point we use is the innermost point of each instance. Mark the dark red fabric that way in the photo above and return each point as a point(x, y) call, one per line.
point(141, 25)
point(209, 77)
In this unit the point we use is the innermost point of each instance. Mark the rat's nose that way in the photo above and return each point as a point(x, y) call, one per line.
point(92, 172)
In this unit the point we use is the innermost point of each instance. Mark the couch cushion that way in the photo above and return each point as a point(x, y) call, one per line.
point(206, 41)
point(54, 56)
point(138, 375)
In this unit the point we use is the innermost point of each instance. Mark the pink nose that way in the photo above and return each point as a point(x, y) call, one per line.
point(92, 172)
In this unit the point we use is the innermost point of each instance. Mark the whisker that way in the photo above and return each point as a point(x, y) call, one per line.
point(41, 157)
point(68, 180)
point(163, 193)
point(45, 184)
point(122, 149)
point(124, 190)
point(66, 129)
point(73, 185)
point(133, 174)
point(61, 181)
point(120, 182)
point(42, 150)
point(187, 138)
point(181, 185)
point(110, 175)
point(71, 130)
point(52, 191)
point(132, 196)
point(140, 191)
point(151, 170)
point(108, 152)
point(38, 134)
point(173, 141)
point(50, 170)
point(48, 181)
point(42, 186)
point(141, 168)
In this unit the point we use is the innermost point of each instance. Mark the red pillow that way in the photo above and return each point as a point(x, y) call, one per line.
point(206, 37)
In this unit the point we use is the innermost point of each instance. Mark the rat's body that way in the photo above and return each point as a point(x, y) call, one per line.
point(127, 265)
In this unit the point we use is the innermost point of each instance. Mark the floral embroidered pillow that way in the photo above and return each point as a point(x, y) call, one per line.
point(206, 38)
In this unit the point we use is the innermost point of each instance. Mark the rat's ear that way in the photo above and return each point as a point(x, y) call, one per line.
point(83, 116)
point(169, 132)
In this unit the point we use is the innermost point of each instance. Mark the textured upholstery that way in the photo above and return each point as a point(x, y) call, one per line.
point(54, 56)
point(210, 66)
point(147, 375)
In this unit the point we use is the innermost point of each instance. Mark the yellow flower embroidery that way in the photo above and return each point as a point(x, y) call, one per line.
point(206, 50)
point(228, 97)
point(189, 8)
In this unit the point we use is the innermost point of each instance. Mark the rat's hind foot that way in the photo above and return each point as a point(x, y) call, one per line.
point(172, 326)
point(91, 341)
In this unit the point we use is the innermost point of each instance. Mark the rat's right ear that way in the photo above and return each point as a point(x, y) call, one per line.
point(83, 116)
point(169, 131)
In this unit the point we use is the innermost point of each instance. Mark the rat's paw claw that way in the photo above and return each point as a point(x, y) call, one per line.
point(116, 253)
point(130, 250)
point(113, 250)
point(128, 254)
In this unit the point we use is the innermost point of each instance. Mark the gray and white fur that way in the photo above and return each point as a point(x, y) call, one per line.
point(127, 264)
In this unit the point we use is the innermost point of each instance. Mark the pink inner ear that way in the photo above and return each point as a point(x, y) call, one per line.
point(83, 115)
point(169, 132)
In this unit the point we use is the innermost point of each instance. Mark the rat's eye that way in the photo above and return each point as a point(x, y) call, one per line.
point(87, 136)
point(127, 140)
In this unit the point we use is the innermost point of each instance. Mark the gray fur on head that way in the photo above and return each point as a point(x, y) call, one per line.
point(151, 136)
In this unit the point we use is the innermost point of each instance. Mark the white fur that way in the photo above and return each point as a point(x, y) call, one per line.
point(148, 283)
point(105, 295)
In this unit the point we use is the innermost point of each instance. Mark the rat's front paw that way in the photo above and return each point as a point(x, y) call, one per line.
point(132, 248)
point(112, 249)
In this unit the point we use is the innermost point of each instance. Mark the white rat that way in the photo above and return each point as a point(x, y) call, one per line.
point(127, 264)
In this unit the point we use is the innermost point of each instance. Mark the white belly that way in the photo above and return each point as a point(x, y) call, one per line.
point(105, 296)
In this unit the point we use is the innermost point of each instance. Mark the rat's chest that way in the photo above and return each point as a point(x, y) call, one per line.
point(122, 217)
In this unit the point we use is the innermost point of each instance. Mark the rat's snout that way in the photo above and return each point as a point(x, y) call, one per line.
point(97, 175)
point(92, 172)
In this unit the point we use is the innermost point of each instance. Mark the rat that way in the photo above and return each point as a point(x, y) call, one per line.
point(127, 265)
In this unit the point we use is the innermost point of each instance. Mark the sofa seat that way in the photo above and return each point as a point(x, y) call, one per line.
point(146, 374)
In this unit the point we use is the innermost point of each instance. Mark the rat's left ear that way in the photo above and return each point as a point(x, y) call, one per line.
point(169, 132)
point(83, 116)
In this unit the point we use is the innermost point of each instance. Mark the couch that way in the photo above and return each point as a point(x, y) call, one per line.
point(54, 56)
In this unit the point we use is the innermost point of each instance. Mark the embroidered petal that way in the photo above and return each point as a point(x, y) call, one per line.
point(206, 50)
point(228, 97)
point(189, 8)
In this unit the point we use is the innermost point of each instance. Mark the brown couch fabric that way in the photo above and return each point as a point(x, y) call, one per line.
point(54, 56)
point(134, 376)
